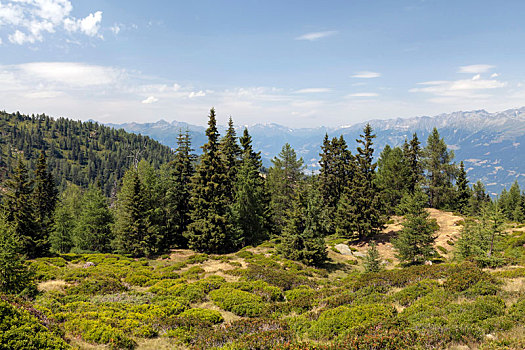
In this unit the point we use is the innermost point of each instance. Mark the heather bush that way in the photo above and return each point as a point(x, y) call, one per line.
point(205, 315)
point(237, 301)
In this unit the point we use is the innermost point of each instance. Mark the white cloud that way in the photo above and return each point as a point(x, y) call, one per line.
point(494, 75)
point(29, 20)
point(115, 29)
point(366, 75)
point(472, 88)
point(70, 73)
point(313, 90)
point(316, 35)
point(475, 68)
point(196, 94)
point(363, 94)
point(150, 100)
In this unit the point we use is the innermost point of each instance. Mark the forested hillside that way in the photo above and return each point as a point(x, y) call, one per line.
point(82, 153)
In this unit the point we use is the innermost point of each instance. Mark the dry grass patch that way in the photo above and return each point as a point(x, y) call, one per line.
point(52, 285)
point(228, 316)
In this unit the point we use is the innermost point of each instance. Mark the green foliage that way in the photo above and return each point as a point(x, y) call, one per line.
point(100, 333)
point(93, 229)
point(15, 277)
point(414, 243)
point(393, 177)
point(211, 230)
point(462, 191)
point(19, 330)
point(413, 292)
point(439, 171)
point(205, 315)
point(239, 302)
point(344, 319)
point(372, 259)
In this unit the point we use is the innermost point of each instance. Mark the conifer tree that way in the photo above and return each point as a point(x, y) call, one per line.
point(439, 171)
point(412, 154)
point(372, 259)
point(414, 243)
point(360, 209)
point(511, 203)
point(134, 233)
point(15, 276)
point(178, 191)
point(477, 199)
point(337, 170)
point(284, 179)
point(302, 238)
point(18, 205)
point(462, 190)
point(210, 230)
point(393, 177)
point(63, 224)
point(45, 196)
point(249, 209)
point(93, 229)
point(230, 152)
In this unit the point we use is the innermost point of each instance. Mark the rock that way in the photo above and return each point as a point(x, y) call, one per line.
point(359, 254)
point(343, 249)
point(88, 264)
point(428, 262)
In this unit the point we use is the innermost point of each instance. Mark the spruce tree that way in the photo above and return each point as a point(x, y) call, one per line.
point(284, 179)
point(462, 190)
point(412, 154)
point(210, 230)
point(392, 178)
point(178, 191)
point(230, 152)
point(45, 196)
point(133, 232)
point(302, 238)
point(477, 199)
point(93, 229)
point(18, 205)
point(439, 171)
point(372, 259)
point(63, 224)
point(249, 209)
point(414, 243)
point(360, 209)
point(15, 276)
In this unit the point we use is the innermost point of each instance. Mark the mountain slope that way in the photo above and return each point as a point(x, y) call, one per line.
point(492, 145)
point(78, 152)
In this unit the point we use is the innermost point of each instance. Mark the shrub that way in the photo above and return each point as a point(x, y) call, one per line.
point(21, 330)
point(239, 302)
point(465, 276)
point(97, 332)
point(412, 293)
point(343, 319)
point(205, 315)
point(99, 284)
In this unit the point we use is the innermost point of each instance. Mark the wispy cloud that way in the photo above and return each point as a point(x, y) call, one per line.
point(313, 91)
point(316, 35)
point(475, 68)
point(150, 100)
point(30, 20)
point(471, 88)
point(363, 94)
point(366, 74)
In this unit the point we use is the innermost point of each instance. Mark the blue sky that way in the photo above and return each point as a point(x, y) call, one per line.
point(297, 63)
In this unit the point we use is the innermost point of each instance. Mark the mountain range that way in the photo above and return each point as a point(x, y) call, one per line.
point(492, 145)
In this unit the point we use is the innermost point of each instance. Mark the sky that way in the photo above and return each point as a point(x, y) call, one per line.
point(296, 63)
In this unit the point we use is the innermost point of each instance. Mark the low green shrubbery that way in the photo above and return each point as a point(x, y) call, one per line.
point(237, 301)
point(97, 332)
point(411, 293)
point(205, 315)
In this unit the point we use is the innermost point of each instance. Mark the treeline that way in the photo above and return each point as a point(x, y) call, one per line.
point(82, 153)
point(221, 201)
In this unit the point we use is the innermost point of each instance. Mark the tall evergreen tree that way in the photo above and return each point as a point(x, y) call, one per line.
point(18, 205)
point(284, 179)
point(414, 243)
point(302, 238)
point(337, 171)
point(372, 259)
point(231, 153)
point(178, 191)
point(249, 209)
point(93, 229)
point(63, 224)
point(412, 154)
point(439, 171)
point(462, 190)
point(360, 209)
point(134, 233)
point(45, 196)
point(393, 177)
point(477, 199)
point(210, 230)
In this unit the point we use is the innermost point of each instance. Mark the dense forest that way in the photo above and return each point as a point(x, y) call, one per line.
point(123, 237)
